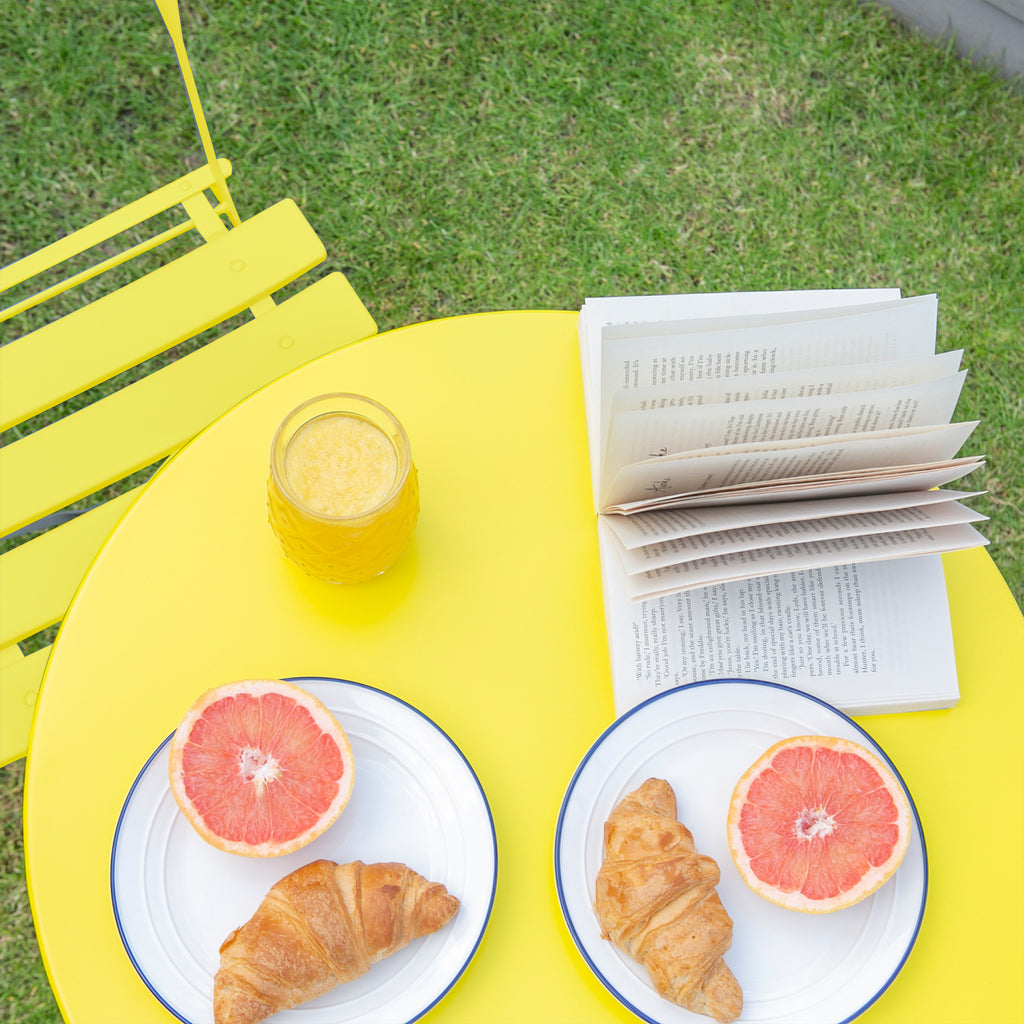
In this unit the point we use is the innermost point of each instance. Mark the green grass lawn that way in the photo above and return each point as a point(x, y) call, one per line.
point(468, 155)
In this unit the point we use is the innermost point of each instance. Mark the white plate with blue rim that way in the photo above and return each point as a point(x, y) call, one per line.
point(793, 968)
point(416, 800)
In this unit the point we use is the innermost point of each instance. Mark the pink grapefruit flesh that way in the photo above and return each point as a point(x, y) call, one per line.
point(818, 823)
point(260, 767)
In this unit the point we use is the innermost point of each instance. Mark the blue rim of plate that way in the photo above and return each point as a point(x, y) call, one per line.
point(596, 745)
point(298, 681)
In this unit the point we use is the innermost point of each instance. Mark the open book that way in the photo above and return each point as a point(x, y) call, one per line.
point(758, 460)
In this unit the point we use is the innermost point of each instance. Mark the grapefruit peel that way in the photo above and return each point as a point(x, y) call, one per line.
point(818, 823)
point(260, 767)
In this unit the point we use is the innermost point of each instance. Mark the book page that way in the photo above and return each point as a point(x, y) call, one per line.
point(789, 384)
point(657, 526)
point(765, 535)
point(867, 638)
point(811, 555)
point(600, 312)
point(603, 310)
point(735, 319)
point(826, 487)
point(700, 350)
point(678, 475)
point(643, 434)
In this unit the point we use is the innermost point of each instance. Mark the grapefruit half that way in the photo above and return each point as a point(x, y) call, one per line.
point(260, 767)
point(818, 823)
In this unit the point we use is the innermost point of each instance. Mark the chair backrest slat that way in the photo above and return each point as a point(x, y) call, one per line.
point(101, 267)
point(179, 192)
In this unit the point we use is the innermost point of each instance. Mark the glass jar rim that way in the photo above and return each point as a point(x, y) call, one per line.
point(400, 442)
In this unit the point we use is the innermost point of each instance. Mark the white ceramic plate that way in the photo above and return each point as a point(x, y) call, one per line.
point(416, 800)
point(793, 968)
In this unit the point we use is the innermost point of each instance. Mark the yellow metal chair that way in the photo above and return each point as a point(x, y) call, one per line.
point(233, 266)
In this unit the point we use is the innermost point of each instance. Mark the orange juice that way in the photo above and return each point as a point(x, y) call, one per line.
point(343, 494)
point(340, 465)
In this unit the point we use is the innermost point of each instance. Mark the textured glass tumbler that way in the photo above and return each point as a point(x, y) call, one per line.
point(343, 494)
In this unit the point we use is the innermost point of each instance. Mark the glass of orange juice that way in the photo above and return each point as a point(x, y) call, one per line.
point(343, 494)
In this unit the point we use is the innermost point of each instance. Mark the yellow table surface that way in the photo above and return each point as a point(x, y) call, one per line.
point(492, 624)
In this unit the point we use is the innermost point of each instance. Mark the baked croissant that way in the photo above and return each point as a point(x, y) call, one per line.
point(656, 901)
point(322, 925)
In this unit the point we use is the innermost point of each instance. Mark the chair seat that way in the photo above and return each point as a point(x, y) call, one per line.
point(117, 433)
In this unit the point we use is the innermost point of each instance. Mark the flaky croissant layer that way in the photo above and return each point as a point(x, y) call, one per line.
point(656, 901)
point(321, 926)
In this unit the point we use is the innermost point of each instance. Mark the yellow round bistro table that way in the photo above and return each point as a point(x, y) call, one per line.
point(492, 625)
